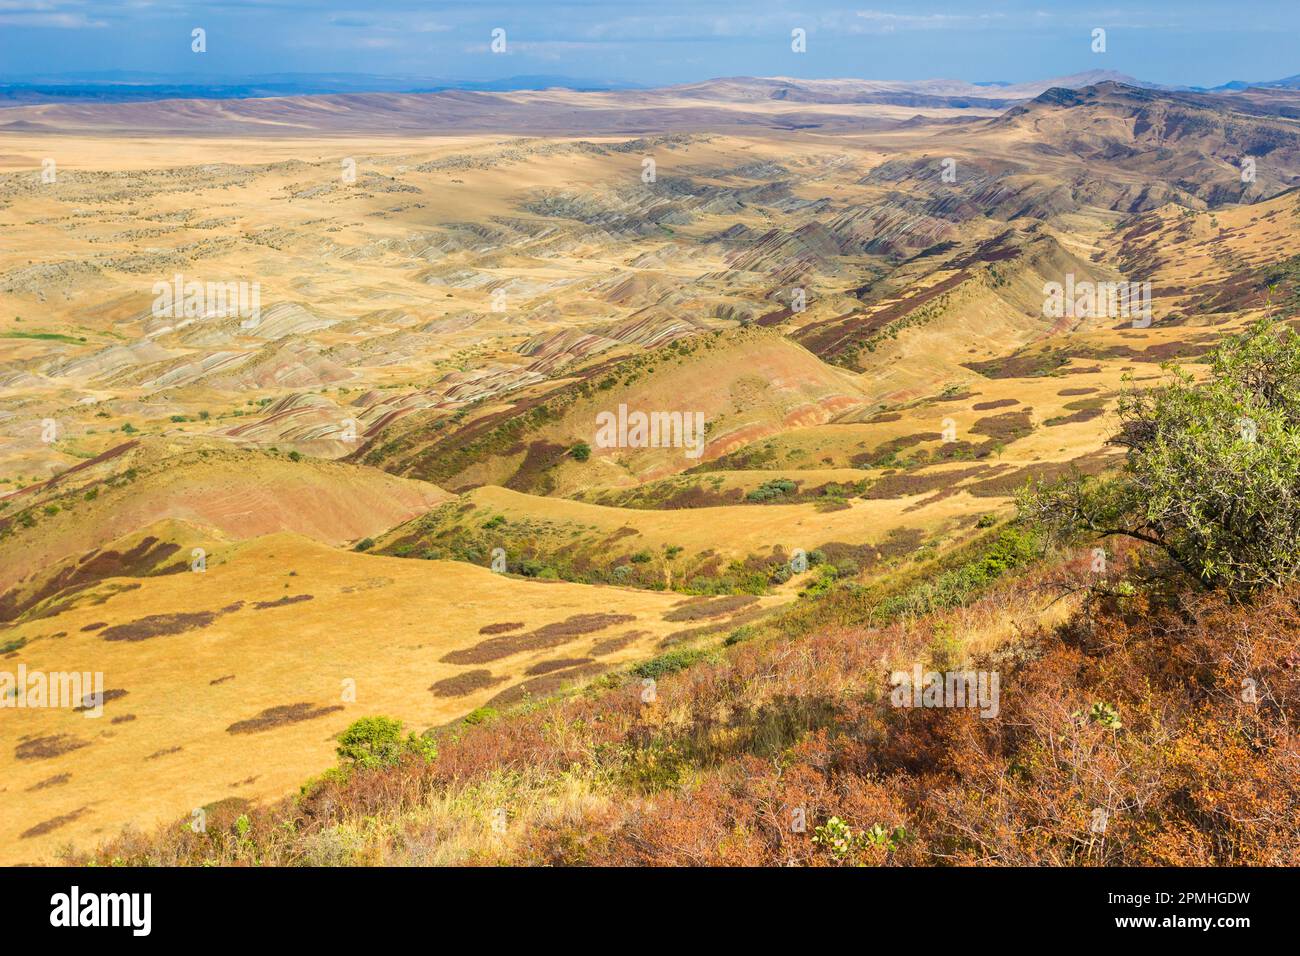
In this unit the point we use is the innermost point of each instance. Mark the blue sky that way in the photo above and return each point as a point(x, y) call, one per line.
point(1192, 42)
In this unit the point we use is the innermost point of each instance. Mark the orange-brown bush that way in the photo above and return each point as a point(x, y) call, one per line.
point(1192, 760)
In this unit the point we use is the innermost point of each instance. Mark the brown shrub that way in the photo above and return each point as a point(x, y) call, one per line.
point(464, 683)
point(1199, 766)
point(281, 602)
point(549, 635)
point(42, 748)
point(611, 644)
point(543, 686)
point(54, 781)
point(704, 607)
point(278, 716)
point(159, 625)
point(53, 823)
point(560, 663)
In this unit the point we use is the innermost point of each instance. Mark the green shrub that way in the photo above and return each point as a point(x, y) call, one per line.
point(377, 742)
point(669, 663)
point(1211, 472)
point(479, 715)
point(1011, 549)
point(742, 633)
point(774, 490)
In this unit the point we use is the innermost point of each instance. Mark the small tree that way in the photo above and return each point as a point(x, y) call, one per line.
point(377, 742)
point(1212, 475)
point(581, 451)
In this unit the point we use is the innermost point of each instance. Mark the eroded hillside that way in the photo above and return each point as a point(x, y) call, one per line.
point(280, 413)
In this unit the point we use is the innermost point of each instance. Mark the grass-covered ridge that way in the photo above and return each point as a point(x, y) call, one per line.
point(1148, 695)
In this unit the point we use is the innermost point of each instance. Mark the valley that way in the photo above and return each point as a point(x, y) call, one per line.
point(378, 487)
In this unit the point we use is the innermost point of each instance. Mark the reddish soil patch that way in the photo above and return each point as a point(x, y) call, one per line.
point(774, 318)
point(832, 338)
point(99, 459)
point(144, 559)
point(280, 716)
point(540, 456)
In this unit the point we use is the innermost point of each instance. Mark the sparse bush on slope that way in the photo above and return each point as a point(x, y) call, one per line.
point(1156, 728)
point(377, 742)
point(1147, 732)
point(1212, 476)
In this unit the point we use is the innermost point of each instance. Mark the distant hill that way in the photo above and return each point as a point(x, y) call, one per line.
point(147, 87)
point(523, 105)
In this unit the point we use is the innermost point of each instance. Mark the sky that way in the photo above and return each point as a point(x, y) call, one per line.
point(660, 42)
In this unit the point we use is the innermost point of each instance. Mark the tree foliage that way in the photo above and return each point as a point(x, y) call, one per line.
point(1212, 474)
point(377, 742)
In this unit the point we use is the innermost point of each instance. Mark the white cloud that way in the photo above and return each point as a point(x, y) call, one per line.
point(881, 21)
point(54, 21)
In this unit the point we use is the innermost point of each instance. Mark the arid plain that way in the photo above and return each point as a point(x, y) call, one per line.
point(380, 489)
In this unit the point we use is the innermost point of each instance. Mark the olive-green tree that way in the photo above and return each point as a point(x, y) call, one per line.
point(1212, 471)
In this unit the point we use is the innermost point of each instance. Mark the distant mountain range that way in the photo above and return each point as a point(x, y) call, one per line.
point(132, 87)
point(726, 103)
point(127, 87)
point(1289, 83)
